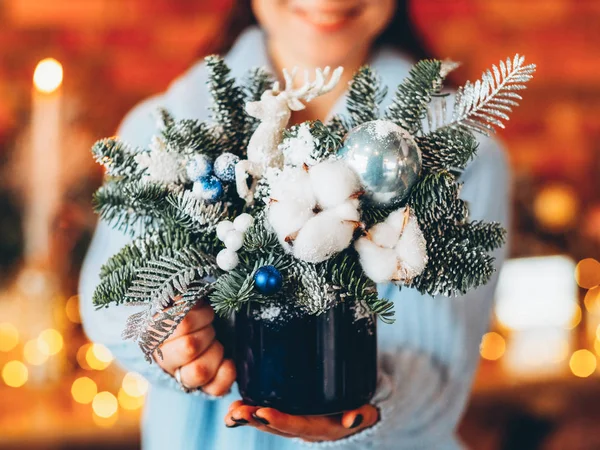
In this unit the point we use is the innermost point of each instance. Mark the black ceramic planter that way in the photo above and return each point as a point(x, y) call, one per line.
point(307, 365)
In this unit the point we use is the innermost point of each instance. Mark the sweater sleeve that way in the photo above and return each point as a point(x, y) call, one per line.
point(428, 357)
point(105, 326)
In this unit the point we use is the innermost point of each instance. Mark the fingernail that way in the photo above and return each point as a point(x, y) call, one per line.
point(235, 425)
point(239, 421)
point(260, 419)
point(357, 421)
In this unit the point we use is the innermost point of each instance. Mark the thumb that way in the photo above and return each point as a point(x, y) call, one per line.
point(364, 417)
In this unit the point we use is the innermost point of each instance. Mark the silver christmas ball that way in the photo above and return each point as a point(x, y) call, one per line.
point(385, 157)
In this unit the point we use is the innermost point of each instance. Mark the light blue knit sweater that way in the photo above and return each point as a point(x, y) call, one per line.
point(427, 357)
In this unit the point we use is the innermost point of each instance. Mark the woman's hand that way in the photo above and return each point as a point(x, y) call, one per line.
point(308, 428)
point(194, 350)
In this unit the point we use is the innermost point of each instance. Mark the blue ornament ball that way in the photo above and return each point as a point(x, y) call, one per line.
point(225, 166)
point(209, 189)
point(385, 157)
point(268, 280)
point(199, 166)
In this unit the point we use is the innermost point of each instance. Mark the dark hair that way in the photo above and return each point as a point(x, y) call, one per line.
point(401, 33)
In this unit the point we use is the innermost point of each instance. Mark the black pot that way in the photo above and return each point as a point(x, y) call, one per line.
point(306, 364)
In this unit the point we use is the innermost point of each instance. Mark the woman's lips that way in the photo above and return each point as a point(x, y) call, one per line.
point(328, 20)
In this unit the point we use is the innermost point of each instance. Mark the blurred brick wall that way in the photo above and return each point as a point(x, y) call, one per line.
point(116, 52)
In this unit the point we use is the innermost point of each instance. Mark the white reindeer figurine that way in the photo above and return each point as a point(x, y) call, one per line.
point(274, 109)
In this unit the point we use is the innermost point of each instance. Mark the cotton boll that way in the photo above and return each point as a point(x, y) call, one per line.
point(379, 264)
point(223, 228)
point(234, 240)
point(287, 218)
point(397, 219)
point(347, 210)
point(333, 182)
point(243, 222)
point(384, 235)
point(411, 250)
point(227, 259)
point(322, 236)
point(293, 184)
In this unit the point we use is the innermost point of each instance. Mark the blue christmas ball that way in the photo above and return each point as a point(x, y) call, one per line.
point(209, 189)
point(385, 157)
point(199, 166)
point(268, 280)
point(225, 166)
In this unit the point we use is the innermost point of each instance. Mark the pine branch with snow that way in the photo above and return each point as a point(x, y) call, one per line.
point(364, 97)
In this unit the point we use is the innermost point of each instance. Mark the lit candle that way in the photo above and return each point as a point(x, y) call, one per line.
point(42, 183)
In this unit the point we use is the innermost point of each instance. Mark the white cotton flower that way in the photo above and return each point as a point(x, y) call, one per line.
point(299, 149)
point(161, 165)
point(293, 184)
point(333, 182)
point(310, 223)
point(395, 249)
point(412, 250)
point(378, 263)
point(322, 236)
point(287, 218)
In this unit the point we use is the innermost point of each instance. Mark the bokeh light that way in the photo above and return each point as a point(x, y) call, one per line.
point(129, 402)
point(105, 404)
point(81, 356)
point(51, 340)
point(105, 422)
point(84, 390)
point(98, 357)
point(556, 207)
point(9, 337)
point(15, 374)
point(587, 273)
point(48, 75)
point(592, 299)
point(134, 384)
point(72, 309)
point(492, 346)
point(35, 352)
point(583, 363)
point(576, 319)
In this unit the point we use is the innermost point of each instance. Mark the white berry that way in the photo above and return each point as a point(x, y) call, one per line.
point(227, 259)
point(242, 222)
point(223, 228)
point(234, 240)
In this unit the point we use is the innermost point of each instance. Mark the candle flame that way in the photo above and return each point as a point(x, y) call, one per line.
point(48, 75)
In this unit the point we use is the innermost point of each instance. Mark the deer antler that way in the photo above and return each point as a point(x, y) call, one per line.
point(310, 90)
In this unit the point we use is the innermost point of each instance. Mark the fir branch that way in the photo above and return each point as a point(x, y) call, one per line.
point(117, 157)
point(410, 103)
point(454, 267)
point(370, 213)
point(345, 272)
point(161, 280)
point(435, 200)
point(228, 106)
point(190, 136)
point(326, 142)
point(192, 214)
point(364, 97)
point(447, 148)
point(486, 235)
point(337, 127)
point(118, 273)
point(313, 293)
point(483, 105)
point(233, 290)
point(150, 330)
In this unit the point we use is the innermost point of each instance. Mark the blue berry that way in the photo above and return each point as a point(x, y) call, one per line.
point(209, 189)
point(268, 280)
point(225, 166)
point(199, 166)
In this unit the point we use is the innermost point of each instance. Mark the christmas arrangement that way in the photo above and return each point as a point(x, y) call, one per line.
point(251, 214)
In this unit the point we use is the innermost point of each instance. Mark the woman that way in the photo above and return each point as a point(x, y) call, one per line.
point(427, 358)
